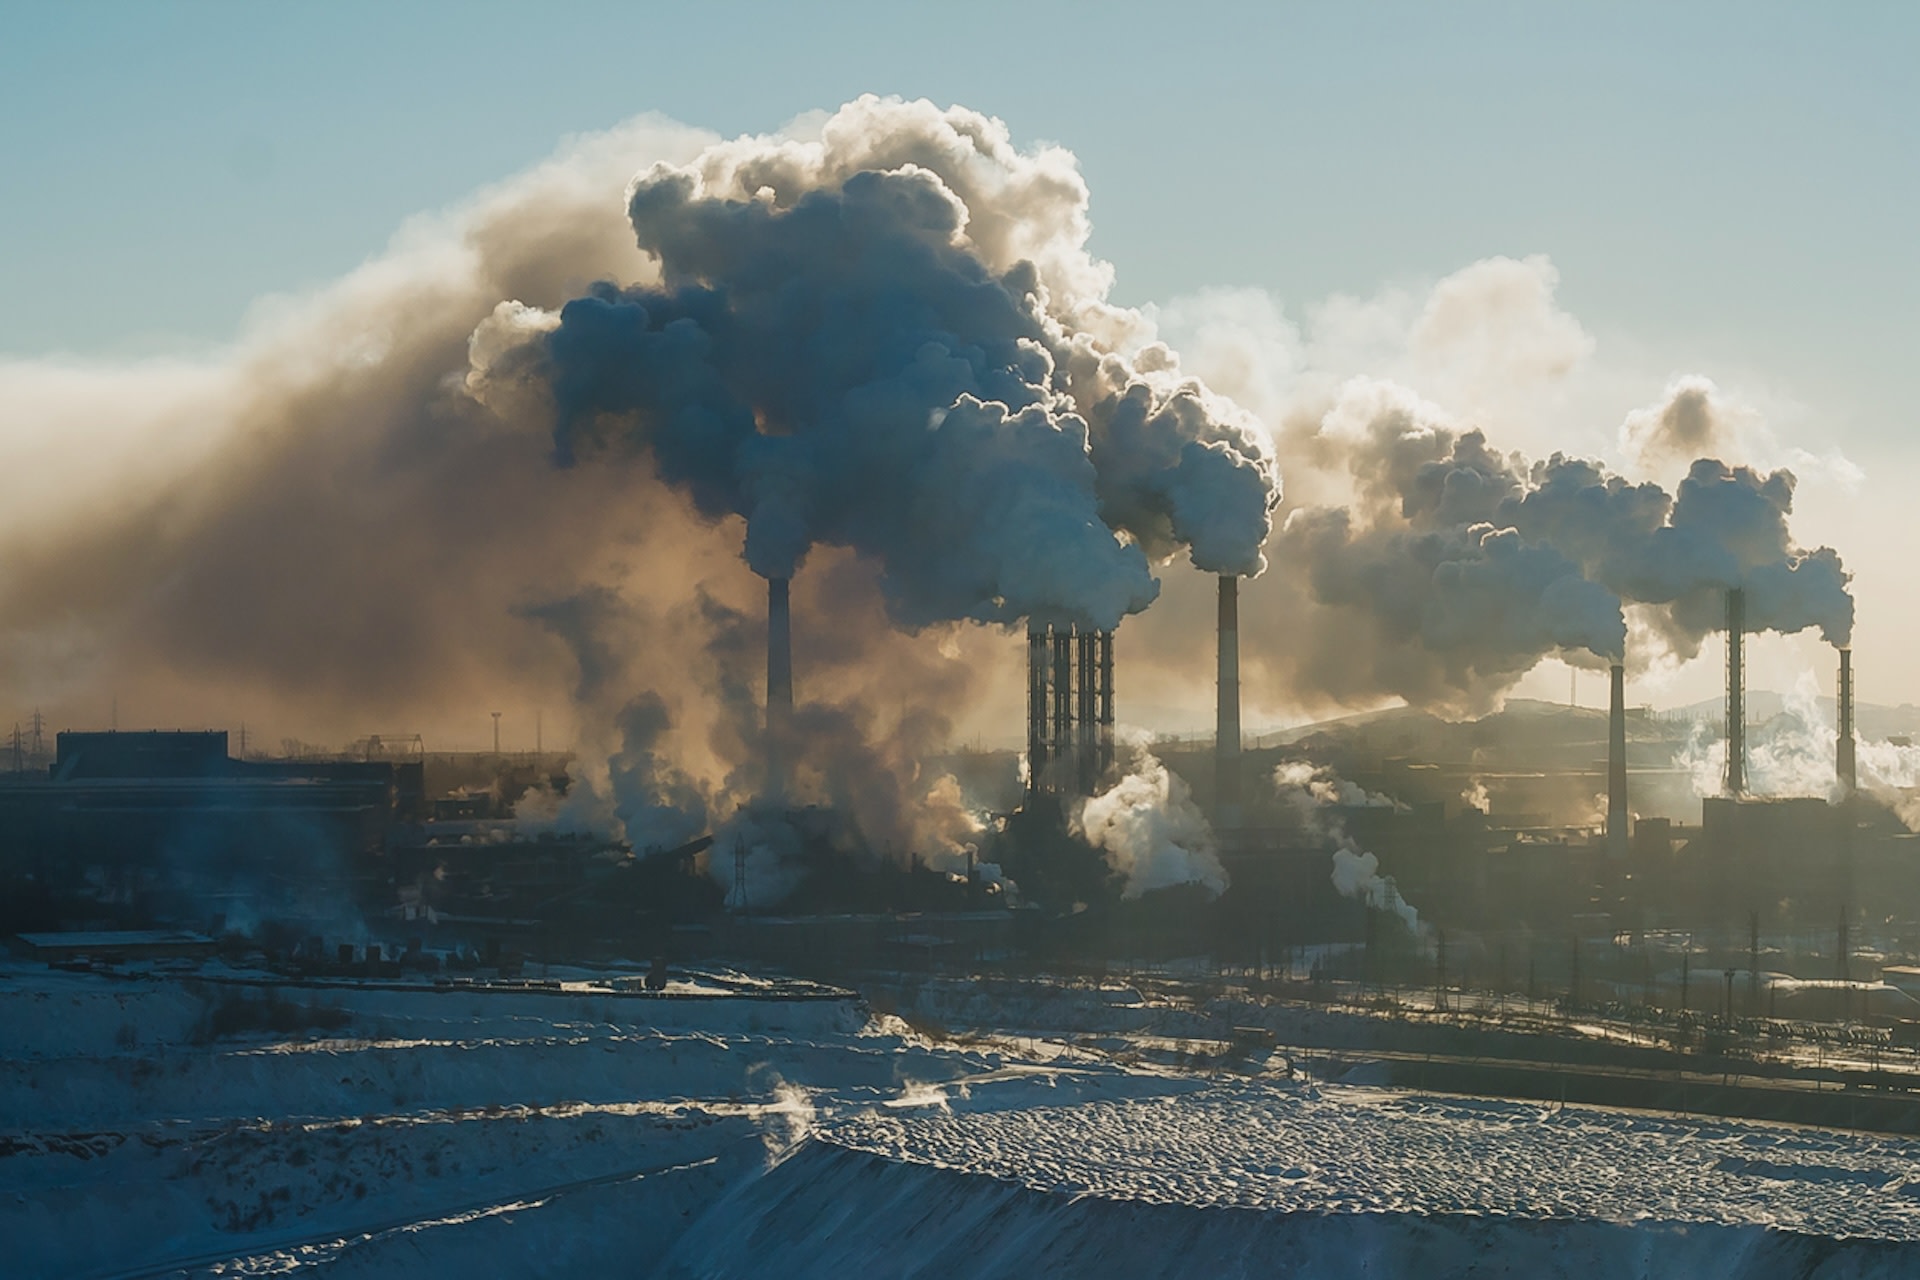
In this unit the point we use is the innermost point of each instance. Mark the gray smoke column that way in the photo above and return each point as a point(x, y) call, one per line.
point(891, 338)
point(1617, 762)
point(779, 682)
point(1226, 732)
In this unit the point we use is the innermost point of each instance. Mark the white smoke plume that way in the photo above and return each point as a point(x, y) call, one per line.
point(1475, 797)
point(353, 516)
point(1151, 832)
point(1693, 420)
point(1457, 567)
point(1318, 794)
point(1792, 754)
point(1356, 874)
point(1369, 397)
point(889, 336)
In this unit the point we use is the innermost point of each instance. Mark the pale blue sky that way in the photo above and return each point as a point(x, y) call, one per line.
point(1725, 188)
point(1735, 178)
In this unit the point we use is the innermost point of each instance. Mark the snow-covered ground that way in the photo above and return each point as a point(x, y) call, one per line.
point(727, 1131)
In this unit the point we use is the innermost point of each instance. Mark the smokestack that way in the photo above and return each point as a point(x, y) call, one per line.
point(1038, 659)
point(1736, 692)
point(1061, 741)
point(1104, 756)
point(1617, 764)
point(779, 682)
point(1226, 724)
point(1086, 713)
point(1846, 774)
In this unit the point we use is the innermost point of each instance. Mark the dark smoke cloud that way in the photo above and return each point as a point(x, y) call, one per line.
point(1456, 566)
point(842, 352)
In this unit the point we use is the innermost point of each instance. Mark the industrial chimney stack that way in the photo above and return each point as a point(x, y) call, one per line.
point(779, 683)
point(1617, 765)
point(1226, 726)
point(1069, 709)
point(1846, 774)
point(1736, 692)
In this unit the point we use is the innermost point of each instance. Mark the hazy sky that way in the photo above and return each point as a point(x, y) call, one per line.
point(1727, 189)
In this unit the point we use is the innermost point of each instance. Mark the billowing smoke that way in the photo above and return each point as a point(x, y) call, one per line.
point(1456, 567)
point(1317, 795)
point(1356, 874)
point(1693, 420)
point(877, 340)
point(890, 337)
point(1792, 754)
point(1151, 832)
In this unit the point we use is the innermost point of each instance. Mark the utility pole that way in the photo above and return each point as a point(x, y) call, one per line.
point(1753, 963)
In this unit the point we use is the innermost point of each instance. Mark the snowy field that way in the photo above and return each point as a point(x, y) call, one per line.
point(725, 1130)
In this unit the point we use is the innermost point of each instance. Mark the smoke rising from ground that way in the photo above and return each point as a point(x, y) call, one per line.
point(1792, 754)
point(1317, 795)
point(1149, 829)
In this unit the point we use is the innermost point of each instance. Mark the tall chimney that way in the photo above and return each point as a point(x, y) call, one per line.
point(779, 683)
point(1736, 692)
point(1104, 702)
point(1226, 724)
point(1039, 659)
point(1847, 776)
point(1086, 743)
point(1617, 764)
point(1061, 740)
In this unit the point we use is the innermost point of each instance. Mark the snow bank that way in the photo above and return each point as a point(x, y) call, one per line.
point(832, 1212)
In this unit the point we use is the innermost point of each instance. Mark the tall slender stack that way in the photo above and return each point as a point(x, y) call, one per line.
point(1617, 764)
point(1227, 767)
point(779, 684)
point(1069, 709)
point(1736, 692)
point(1845, 772)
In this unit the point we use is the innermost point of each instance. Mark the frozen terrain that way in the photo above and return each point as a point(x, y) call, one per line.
point(155, 1124)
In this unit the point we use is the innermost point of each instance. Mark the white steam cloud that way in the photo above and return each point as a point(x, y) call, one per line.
point(1149, 829)
point(1318, 794)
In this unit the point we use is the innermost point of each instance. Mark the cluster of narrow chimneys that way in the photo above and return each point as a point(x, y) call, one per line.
point(1070, 710)
point(1227, 763)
